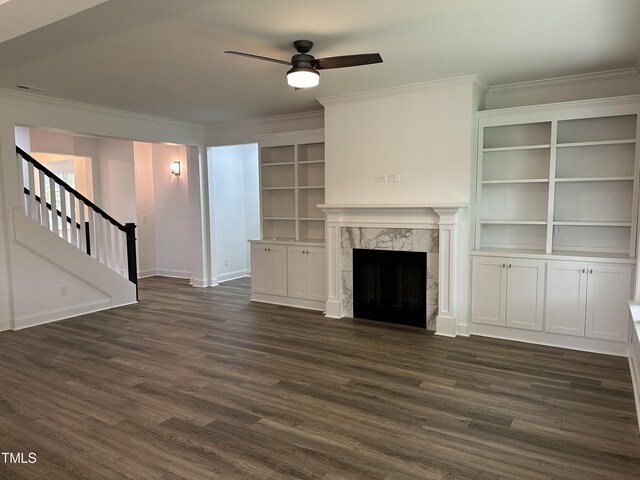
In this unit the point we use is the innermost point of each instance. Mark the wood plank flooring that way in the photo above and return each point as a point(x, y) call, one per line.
point(202, 384)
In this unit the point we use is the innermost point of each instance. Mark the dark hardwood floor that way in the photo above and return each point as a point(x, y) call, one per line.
point(201, 384)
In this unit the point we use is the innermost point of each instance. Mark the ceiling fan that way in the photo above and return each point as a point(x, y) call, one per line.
point(304, 67)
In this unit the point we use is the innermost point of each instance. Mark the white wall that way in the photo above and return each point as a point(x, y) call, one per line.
point(233, 181)
point(145, 209)
point(172, 218)
point(422, 133)
point(116, 179)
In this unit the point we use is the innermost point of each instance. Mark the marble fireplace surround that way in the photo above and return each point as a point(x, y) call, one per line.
point(396, 227)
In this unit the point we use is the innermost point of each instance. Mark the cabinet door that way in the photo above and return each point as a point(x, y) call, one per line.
point(608, 292)
point(315, 273)
point(488, 290)
point(277, 270)
point(566, 297)
point(296, 272)
point(259, 268)
point(525, 294)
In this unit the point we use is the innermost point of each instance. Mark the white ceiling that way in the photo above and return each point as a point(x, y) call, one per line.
point(22, 16)
point(165, 57)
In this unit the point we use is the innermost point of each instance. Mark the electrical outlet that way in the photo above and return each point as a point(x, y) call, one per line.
point(380, 178)
point(226, 262)
point(558, 230)
point(64, 291)
point(394, 177)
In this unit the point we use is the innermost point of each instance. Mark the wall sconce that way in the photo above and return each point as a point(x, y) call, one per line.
point(176, 168)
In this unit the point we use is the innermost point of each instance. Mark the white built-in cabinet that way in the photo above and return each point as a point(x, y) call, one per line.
point(588, 300)
point(292, 225)
point(306, 272)
point(508, 292)
point(287, 273)
point(557, 185)
point(269, 269)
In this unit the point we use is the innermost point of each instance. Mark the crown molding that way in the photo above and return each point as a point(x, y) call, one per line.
point(464, 80)
point(569, 80)
point(627, 101)
point(250, 122)
point(58, 102)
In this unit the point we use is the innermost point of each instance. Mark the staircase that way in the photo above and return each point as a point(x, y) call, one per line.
point(67, 229)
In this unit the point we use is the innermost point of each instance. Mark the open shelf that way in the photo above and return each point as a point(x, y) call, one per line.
point(595, 179)
point(282, 154)
point(278, 164)
point(278, 176)
point(606, 237)
point(310, 152)
point(520, 147)
point(597, 130)
point(517, 137)
point(592, 224)
point(561, 185)
point(602, 201)
point(524, 180)
point(515, 165)
point(292, 185)
point(514, 237)
point(513, 222)
point(523, 202)
point(597, 143)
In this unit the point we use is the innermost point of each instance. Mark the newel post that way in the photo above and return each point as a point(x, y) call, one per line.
point(132, 263)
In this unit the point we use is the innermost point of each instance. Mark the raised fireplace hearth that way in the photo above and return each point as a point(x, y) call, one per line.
point(390, 286)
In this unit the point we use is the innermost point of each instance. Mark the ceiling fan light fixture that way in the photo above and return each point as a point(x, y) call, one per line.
point(303, 77)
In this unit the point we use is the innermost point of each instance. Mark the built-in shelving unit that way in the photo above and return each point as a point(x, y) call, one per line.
point(558, 182)
point(556, 223)
point(292, 185)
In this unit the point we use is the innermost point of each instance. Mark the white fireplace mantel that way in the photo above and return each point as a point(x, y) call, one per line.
point(445, 217)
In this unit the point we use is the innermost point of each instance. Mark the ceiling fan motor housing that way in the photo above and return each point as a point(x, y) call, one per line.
point(303, 46)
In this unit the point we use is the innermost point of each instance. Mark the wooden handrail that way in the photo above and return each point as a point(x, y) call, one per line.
point(69, 188)
point(129, 229)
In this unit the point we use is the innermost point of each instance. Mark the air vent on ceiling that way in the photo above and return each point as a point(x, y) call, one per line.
point(30, 87)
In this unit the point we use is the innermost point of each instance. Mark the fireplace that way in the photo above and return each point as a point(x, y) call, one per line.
point(390, 286)
point(433, 229)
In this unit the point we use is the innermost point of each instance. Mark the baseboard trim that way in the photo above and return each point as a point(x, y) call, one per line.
point(332, 309)
point(173, 274)
point(26, 321)
point(463, 329)
point(446, 326)
point(635, 380)
point(608, 347)
point(225, 277)
point(288, 301)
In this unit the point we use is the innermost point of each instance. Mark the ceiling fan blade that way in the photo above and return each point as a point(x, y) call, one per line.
point(346, 61)
point(258, 57)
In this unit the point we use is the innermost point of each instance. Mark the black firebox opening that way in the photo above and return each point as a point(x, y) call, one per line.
point(391, 286)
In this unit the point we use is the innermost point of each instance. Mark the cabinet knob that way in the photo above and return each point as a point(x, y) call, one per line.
point(265, 249)
point(591, 271)
point(584, 270)
point(504, 265)
point(509, 265)
point(268, 249)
